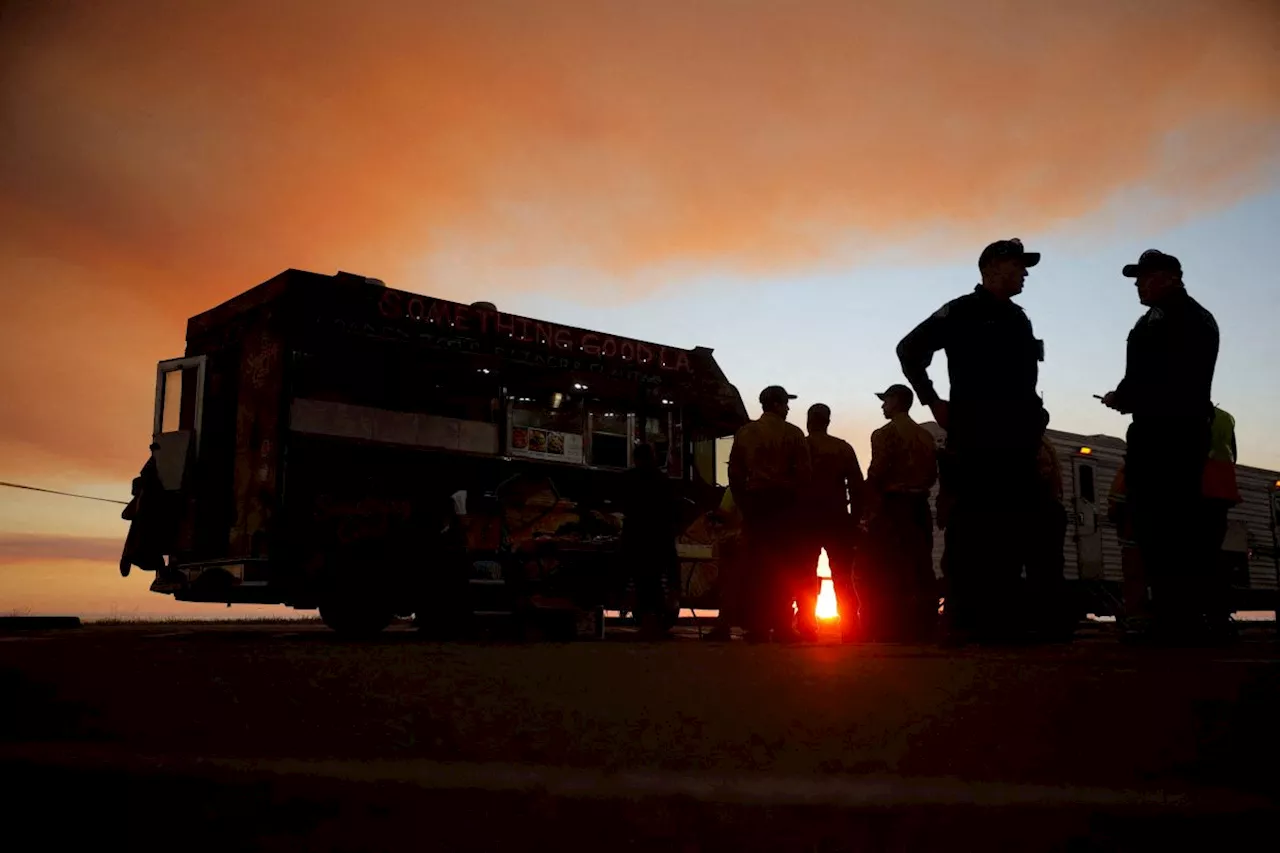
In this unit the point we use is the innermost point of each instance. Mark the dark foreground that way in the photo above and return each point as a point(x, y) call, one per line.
point(279, 737)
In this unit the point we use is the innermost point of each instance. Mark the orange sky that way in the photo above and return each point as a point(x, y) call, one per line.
point(158, 158)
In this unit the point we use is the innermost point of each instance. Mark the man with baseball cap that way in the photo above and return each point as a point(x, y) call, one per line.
point(895, 577)
point(768, 468)
point(994, 425)
point(832, 508)
point(1171, 357)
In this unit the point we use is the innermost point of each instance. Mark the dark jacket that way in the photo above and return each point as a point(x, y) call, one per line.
point(993, 359)
point(1171, 356)
point(650, 514)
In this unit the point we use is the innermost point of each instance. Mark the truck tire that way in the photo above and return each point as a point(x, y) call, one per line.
point(354, 619)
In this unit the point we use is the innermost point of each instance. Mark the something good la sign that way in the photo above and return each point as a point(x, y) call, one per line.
point(474, 321)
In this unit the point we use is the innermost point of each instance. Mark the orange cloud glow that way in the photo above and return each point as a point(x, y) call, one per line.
point(159, 158)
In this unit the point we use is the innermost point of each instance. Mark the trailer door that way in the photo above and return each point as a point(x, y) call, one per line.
point(1088, 533)
point(178, 415)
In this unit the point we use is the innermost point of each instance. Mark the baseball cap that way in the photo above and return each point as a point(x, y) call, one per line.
point(775, 394)
point(902, 392)
point(1002, 249)
point(1153, 260)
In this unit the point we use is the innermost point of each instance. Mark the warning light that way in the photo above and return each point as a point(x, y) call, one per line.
point(1278, 484)
point(1086, 451)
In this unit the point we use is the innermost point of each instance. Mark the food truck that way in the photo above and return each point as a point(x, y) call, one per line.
point(329, 442)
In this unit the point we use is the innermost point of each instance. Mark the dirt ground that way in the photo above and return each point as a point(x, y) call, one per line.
point(283, 737)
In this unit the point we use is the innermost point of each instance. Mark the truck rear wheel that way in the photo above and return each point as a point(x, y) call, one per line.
point(355, 619)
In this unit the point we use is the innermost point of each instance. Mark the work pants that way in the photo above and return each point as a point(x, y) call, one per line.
point(655, 571)
point(1048, 609)
point(770, 538)
point(728, 581)
point(1134, 588)
point(896, 585)
point(986, 536)
point(1164, 470)
point(444, 608)
point(1217, 594)
point(835, 532)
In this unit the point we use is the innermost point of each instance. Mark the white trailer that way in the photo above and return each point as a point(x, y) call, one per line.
point(1251, 547)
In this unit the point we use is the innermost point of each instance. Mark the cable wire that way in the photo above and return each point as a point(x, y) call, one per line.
point(64, 494)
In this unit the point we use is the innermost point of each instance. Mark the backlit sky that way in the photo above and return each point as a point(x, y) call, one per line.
point(795, 185)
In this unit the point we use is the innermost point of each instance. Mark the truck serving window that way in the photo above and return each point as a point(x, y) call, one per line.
point(654, 428)
point(610, 436)
point(547, 426)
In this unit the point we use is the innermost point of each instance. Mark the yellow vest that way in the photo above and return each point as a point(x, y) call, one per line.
point(726, 503)
point(1219, 481)
point(1221, 433)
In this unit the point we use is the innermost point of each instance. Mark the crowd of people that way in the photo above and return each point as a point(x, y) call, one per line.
point(999, 503)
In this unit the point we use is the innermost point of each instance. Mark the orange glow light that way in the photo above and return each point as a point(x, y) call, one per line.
point(826, 608)
point(1086, 451)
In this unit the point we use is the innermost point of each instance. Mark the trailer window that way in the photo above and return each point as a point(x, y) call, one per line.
point(610, 437)
point(1087, 490)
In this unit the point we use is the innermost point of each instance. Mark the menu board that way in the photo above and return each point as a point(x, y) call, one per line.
point(546, 444)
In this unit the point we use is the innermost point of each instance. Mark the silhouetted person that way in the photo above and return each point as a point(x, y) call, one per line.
point(1049, 613)
point(444, 610)
point(1221, 493)
point(649, 527)
point(895, 578)
point(832, 507)
point(1172, 353)
point(993, 423)
point(1134, 591)
point(148, 516)
point(728, 519)
point(768, 468)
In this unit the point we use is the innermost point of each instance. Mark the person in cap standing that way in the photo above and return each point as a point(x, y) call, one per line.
point(832, 508)
point(1171, 356)
point(769, 468)
point(895, 578)
point(994, 425)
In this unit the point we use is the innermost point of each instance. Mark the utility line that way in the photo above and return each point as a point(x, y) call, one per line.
point(65, 494)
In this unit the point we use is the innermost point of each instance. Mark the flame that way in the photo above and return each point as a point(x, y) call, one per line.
point(826, 608)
